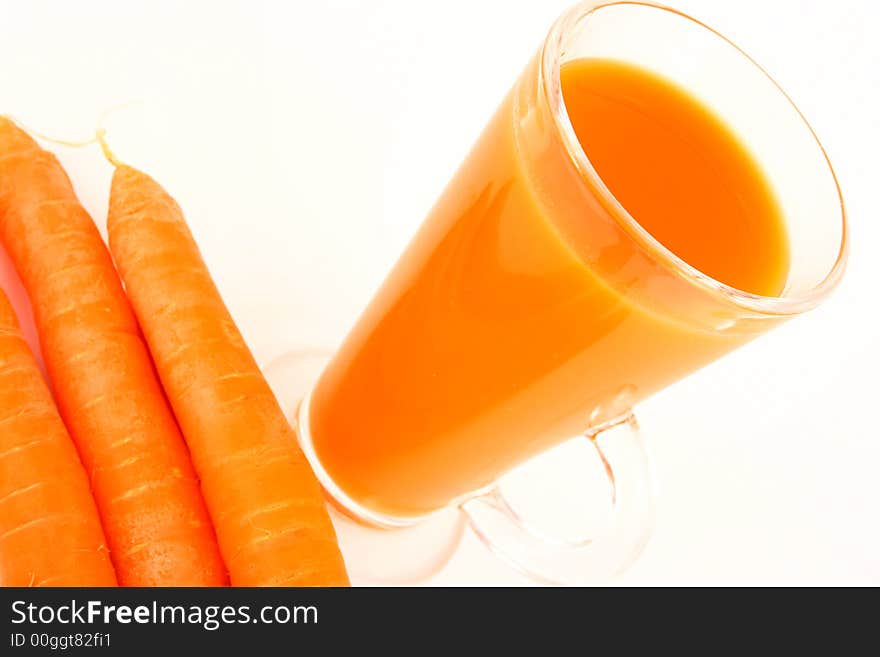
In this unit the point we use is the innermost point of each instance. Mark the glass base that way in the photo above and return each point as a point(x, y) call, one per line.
point(377, 549)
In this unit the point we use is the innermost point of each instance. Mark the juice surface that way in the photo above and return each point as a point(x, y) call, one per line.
point(496, 337)
point(680, 172)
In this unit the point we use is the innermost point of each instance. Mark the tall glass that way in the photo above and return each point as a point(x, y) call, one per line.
point(531, 307)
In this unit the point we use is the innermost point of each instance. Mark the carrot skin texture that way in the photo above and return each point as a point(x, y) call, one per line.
point(146, 490)
point(266, 504)
point(50, 533)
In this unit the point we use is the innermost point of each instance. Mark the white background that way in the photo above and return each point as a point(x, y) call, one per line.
point(307, 140)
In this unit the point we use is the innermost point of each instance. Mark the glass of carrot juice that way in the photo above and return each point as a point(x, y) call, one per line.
point(644, 200)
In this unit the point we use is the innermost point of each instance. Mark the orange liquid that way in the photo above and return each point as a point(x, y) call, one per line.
point(523, 311)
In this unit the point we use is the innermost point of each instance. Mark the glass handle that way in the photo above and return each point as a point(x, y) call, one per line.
point(550, 560)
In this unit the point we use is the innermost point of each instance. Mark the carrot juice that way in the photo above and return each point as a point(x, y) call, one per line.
point(528, 307)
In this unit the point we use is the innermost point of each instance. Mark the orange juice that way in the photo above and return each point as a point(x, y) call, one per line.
point(527, 308)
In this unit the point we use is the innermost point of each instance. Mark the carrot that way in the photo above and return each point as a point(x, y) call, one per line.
point(146, 490)
point(266, 504)
point(50, 533)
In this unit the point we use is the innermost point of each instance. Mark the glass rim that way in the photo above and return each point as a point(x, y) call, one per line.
point(550, 83)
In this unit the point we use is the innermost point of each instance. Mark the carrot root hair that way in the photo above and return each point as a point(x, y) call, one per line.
point(99, 137)
point(71, 143)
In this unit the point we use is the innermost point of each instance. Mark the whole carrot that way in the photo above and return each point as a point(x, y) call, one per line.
point(267, 507)
point(50, 534)
point(104, 381)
